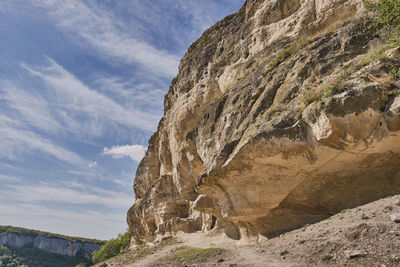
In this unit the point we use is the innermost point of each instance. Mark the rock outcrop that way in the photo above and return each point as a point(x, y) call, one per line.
point(282, 114)
point(50, 244)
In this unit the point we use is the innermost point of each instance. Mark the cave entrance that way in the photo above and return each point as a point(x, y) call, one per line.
point(213, 222)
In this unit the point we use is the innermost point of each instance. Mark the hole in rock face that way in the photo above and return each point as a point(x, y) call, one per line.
point(213, 222)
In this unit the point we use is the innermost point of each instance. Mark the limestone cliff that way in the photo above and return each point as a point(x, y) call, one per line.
point(48, 243)
point(282, 114)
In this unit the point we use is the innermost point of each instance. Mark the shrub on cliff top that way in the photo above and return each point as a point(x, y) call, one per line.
point(387, 17)
point(112, 248)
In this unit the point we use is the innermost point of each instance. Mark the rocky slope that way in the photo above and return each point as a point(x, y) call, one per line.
point(282, 114)
point(363, 236)
point(48, 243)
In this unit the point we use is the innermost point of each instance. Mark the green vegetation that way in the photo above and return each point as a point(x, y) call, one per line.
point(302, 42)
point(338, 83)
point(187, 254)
point(332, 88)
point(394, 259)
point(34, 233)
point(29, 256)
point(284, 252)
point(376, 54)
point(364, 217)
point(386, 18)
point(112, 248)
point(141, 251)
point(326, 258)
point(388, 208)
point(395, 73)
point(305, 227)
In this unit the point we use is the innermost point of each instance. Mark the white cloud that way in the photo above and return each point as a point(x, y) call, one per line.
point(135, 152)
point(92, 164)
point(100, 30)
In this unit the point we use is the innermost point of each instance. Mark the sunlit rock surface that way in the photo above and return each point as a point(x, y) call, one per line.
point(255, 142)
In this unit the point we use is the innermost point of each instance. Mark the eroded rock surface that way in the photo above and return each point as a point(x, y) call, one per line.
point(280, 116)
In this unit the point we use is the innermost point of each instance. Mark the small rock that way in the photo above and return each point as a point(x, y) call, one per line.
point(262, 238)
point(351, 254)
point(397, 202)
point(395, 218)
point(103, 265)
point(393, 53)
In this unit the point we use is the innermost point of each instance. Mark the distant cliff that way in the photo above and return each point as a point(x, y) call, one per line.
point(54, 243)
point(282, 114)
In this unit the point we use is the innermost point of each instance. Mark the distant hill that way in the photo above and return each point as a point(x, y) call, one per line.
point(27, 247)
point(34, 233)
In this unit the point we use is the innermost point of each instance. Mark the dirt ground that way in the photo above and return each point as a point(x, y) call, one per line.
point(363, 236)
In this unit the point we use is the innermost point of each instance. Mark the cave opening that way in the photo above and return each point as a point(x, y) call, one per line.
point(213, 222)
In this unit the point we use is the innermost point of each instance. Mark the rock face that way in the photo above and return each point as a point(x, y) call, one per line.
point(50, 244)
point(280, 116)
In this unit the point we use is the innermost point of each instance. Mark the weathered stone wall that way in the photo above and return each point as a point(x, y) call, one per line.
point(253, 146)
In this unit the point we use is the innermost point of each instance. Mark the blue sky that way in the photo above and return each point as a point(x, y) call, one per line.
point(81, 91)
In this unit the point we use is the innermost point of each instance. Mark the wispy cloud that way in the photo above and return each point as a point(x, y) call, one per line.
point(93, 224)
point(55, 193)
point(97, 28)
point(8, 178)
point(66, 207)
point(32, 109)
point(16, 140)
point(135, 152)
point(145, 94)
point(78, 99)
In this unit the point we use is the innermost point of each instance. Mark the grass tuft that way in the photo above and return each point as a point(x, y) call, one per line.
point(284, 252)
point(326, 258)
point(364, 217)
point(187, 254)
point(288, 51)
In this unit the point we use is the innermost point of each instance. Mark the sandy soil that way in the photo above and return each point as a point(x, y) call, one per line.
point(367, 233)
